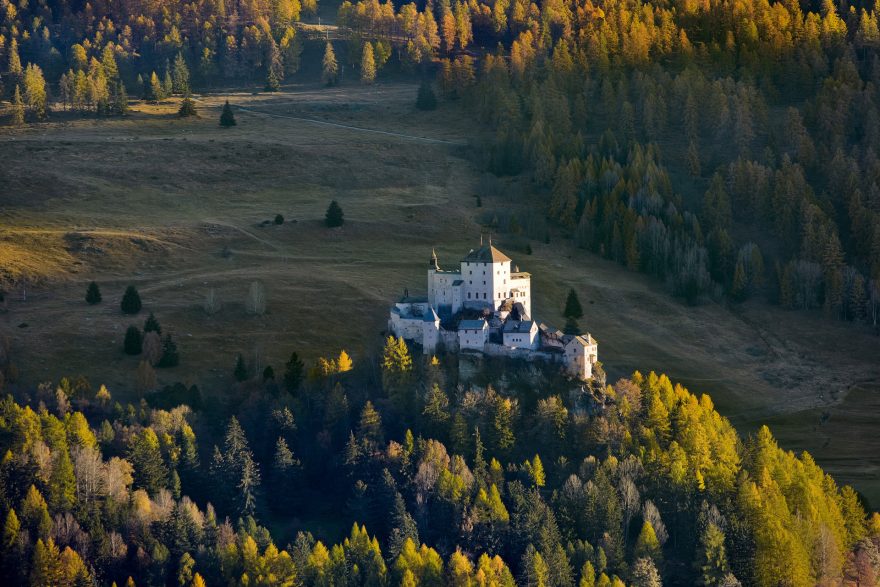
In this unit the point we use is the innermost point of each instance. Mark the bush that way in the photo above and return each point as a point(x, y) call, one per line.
point(133, 344)
point(426, 99)
point(131, 301)
point(93, 294)
point(334, 216)
point(279, 219)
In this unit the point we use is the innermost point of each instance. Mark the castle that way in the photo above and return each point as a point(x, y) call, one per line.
point(485, 305)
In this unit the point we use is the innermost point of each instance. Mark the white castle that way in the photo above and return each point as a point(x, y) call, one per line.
point(486, 306)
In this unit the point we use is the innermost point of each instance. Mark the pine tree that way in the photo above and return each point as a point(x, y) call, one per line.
point(573, 307)
point(133, 344)
point(329, 67)
point(293, 372)
point(426, 99)
point(93, 294)
point(17, 108)
point(227, 117)
point(131, 301)
point(334, 216)
point(240, 373)
point(368, 64)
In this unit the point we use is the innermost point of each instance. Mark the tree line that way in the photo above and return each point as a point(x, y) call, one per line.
point(502, 482)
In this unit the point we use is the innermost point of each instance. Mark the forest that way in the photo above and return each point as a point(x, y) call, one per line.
point(516, 478)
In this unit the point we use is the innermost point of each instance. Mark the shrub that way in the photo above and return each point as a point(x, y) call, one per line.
point(334, 216)
point(133, 344)
point(131, 301)
point(268, 374)
point(93, 294)
point(279, 219)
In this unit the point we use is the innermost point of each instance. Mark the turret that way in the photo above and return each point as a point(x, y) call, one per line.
point(433, 263)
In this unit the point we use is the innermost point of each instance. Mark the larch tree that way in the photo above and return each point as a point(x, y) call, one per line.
point(329, 66)
point(17, 108)
point(35, 94)
point(368, 64)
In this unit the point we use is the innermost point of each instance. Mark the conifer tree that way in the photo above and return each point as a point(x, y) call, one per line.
point(131, 301)
point(272, 82)
point(240, 372)
point(133, 344)
point(180, 76)
point(150, 471)
point(227, 117)
point(370, 428)
point(344, 362)
point(152, 325)
point(426, 99)
point(368, 64)
point(35, 94)
point(187, 107)
point(573, 307)
point(268, 374)
point(293, 372)
point(170, 357)
point(120, 100)
point(329, 67)
point(17, 108)
point(334, 216)
point(156, 90)
point(93, 294)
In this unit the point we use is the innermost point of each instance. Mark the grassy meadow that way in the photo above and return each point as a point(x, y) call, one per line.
point(179, 207)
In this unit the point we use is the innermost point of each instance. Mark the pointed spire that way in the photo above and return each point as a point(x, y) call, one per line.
point(433, 263)
point(481, 239)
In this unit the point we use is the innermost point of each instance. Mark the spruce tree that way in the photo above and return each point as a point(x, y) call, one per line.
point(573, 306)
point(93, 294)
point(240, 372)
point(293, 372)
point(170, 357)
point(180, 75)
point(17, 108)
point(227, 118)
point(152, 325)
point(131, 301)
point(329, 67)
point(334, 216)
point(426, 99)
point(133, 344)
point(187, 107)
point(120, 101)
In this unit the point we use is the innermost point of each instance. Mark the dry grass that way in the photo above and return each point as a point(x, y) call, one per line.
point(154, 201)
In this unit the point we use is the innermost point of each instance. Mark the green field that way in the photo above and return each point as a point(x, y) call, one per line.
point(177, 207)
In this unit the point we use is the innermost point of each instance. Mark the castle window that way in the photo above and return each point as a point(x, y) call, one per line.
point(469, 295)
point(484, 295)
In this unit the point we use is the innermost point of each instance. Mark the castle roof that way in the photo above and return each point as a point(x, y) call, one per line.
point(517, 326)
point(486, 254)
point(472, 324)
point(430, 315)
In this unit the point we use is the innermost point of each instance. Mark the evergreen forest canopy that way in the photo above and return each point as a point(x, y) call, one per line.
point(524, 479)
